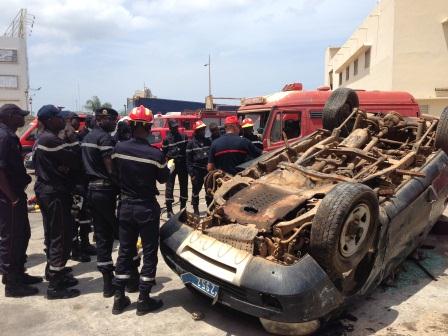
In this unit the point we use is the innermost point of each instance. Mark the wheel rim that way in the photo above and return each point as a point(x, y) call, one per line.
point(355, 230)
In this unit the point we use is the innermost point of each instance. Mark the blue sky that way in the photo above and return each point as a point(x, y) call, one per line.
point(110, 48)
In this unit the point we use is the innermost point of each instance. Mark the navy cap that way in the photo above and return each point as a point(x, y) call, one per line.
point(48, 111)
point(8, 110)
point(106, 111)
point(172, 123)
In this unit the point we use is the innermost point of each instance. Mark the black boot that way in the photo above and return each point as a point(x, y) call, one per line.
point(133, 282)
point(196, 209)
point(78, 254)
point(169, 210)
point(26, 279)
point(57, 288)
point(145, 304)
point(108, 288)
point(120, 302)
point(183, 204)
point(86, 247)
point(14, 287)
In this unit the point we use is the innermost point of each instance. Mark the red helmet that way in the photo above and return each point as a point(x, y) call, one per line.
point(141, 114)
point(231, 120)
point(247, 122)
point(198, 125)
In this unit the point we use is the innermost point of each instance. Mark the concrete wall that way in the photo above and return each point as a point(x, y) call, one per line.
point(409, 51)
point(20, 69)
point(421, 50)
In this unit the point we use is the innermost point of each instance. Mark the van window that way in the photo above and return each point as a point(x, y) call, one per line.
point(154, 137)
point(288, 122)
point(187, 124)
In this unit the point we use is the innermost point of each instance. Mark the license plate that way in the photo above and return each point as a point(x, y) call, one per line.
point(204, 286)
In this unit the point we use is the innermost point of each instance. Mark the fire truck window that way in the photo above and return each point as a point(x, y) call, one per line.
point(154, 137)
point(288, 122)
point(33, 135)
point(187, 124)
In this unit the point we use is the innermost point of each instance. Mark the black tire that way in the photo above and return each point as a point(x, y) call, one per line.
point(338, 107)
point(327, 227)
point(442, 131)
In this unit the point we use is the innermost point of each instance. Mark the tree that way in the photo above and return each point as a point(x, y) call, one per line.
point(94, 103)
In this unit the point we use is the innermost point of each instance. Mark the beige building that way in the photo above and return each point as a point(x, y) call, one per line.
point(402, 46)
point(14, 80)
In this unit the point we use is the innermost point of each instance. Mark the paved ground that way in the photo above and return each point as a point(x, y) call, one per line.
point(416, 305)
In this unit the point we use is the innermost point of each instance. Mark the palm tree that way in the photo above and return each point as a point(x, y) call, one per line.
point(95, 103)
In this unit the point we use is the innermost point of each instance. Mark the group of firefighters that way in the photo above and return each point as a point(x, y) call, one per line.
point(115, 177)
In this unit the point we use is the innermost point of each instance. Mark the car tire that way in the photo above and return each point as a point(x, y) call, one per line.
point(343, 234)
point(442, 131)
point(338, 107)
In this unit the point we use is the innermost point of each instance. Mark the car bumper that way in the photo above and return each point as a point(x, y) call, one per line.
point(297, 293)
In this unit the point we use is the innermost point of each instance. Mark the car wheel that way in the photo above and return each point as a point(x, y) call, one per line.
point(338, 107)
point(442, 131)
point(343, 234)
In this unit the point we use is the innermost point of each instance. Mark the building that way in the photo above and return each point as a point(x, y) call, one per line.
point(403, 46)
point(14, 80)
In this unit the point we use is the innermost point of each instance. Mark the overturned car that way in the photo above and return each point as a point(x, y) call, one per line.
point(301, 232)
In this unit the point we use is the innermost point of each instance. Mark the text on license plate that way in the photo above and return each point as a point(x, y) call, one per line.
point(202, 285)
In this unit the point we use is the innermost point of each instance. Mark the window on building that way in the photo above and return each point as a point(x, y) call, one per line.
point(367, 59)
point(8, 56)
point(355, 67)
point(9, 82)
point(347, 73)
point(340, 78)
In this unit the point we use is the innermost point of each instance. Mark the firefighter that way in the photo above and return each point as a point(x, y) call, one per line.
point(97, 149)
point(247, 126)
point(14, 225)
point(231, 150)
point(197, 157)
point(55, 160)
point(174, 147)
point(83, 218)
point(138, 166)
point(215, 132)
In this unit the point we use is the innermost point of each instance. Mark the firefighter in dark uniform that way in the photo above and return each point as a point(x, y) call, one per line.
point(14, 225)
point(247, 127)
point(215, 132)
point(97, 149)
point(55, 160)
point(174, 147)
point(83, 218)
point(231, 150)
point(197, 157)
point(138, 166)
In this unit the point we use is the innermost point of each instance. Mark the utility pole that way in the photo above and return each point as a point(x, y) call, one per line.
point(209, 99)
point(209, 76)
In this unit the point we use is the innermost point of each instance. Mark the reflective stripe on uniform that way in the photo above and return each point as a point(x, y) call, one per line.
point(91, 145)
point(146, 279)
point(87, 221)
point(57, 148)
point(174, 144)
point(197, 149)
point(122, 276)
point(104, 263)
point(257, 142)
point(56, 268)
point(137, 159)
point(228, 151)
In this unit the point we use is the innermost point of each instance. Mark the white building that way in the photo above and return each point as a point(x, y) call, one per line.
point(403, 46)
point(14, 80)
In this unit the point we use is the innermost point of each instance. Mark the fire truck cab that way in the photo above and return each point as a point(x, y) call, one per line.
point(297, 113)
